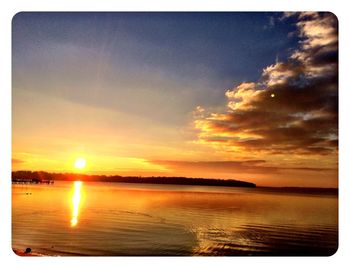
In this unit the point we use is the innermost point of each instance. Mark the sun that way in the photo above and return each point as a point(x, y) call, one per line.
point(80, 163)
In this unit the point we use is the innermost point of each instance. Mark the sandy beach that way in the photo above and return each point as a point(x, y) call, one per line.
point(22, 253)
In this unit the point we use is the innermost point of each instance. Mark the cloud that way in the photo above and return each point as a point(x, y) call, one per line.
point(242, 167)
point(17, 161)
point(248, 166)
point(293, 108)
point(270, 24)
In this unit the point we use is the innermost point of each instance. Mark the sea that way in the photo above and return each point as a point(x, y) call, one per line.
point(74, 218)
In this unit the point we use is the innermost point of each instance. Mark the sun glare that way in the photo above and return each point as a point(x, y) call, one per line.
point(80, 163)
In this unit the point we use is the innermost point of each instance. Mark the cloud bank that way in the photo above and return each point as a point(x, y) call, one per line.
point(293, 108)
point(245, 166)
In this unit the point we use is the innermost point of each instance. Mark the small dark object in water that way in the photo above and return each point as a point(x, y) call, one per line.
point(28, 250)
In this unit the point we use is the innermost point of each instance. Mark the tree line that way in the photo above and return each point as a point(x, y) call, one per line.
point(42, 175)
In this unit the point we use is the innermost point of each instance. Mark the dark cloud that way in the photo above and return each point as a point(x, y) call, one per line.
point(249, 166)
point(245, 167)
point(294, 107)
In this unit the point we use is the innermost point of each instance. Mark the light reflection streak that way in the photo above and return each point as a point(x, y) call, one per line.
point(76, 203)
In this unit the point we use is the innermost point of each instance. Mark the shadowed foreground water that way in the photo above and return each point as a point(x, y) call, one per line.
point(114, 219)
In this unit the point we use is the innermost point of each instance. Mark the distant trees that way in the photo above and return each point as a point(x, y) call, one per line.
point(31, 176)
point(41, 175)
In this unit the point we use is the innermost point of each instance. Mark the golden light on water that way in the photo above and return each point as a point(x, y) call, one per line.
point(76, 203)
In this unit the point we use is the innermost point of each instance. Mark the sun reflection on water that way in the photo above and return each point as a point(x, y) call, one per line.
point(76, 203)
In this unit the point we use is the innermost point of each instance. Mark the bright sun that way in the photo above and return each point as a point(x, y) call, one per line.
point(80, 163)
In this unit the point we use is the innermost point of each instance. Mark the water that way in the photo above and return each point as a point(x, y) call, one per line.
point(120, 219)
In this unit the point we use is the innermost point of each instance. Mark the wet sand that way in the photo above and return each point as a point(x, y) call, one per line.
point(22, 253)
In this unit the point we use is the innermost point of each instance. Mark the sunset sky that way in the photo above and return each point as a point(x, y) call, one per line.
point(249, 96)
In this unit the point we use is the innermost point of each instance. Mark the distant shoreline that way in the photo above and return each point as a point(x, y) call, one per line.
point(41, 176)
point(301, 190)
point(38, 176)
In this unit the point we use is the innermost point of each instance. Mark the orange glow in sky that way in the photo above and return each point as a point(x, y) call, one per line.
point(108, 101)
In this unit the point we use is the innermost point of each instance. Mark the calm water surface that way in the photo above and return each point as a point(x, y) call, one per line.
point(98, 219)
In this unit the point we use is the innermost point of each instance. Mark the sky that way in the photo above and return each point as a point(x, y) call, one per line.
point(249, 96)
